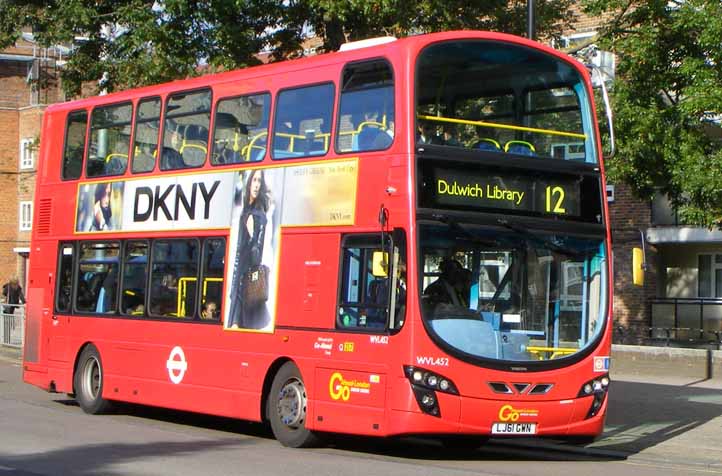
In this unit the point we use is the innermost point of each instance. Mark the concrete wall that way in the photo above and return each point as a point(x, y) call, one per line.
point(666, 362)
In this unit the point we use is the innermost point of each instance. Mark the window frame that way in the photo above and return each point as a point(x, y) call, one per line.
point(89, 136)
point(136, 122)
point(164, 120)
point(212, 135)
point(274, 118)
point(337, 122)
point(121, 281)
point(63, 164)
point(76, 275)
point(395, 242)
point(25, 225)
point(27, 154)
point(58, 274)
point(149, 289)
point(714, 266)
point(202, 276)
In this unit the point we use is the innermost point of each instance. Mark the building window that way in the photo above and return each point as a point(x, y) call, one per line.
point(27, 154)
point(709, 282)
point(26, 216)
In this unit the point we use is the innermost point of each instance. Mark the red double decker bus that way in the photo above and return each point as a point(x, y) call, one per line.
point(404, 237)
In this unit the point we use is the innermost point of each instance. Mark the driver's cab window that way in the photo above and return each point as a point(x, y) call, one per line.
point(449, 280)
point(373, 282)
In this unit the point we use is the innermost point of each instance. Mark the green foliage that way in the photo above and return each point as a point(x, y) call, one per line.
point(667, 100)
point(126, 43)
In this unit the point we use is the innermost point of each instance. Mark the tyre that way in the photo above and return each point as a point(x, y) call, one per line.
point(88, 382)
point(286, 404)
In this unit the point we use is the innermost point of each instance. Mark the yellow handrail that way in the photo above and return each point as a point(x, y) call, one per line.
point(109, 157)
point(556, 351)
point(496, 125)
point(292, 137)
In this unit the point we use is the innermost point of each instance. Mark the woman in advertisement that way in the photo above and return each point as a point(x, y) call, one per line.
point(102, 212)
point(250, 282)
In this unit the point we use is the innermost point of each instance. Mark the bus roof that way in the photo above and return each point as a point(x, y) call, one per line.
point(411, 43)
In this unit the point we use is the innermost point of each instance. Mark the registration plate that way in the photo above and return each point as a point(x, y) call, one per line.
point(513, 429)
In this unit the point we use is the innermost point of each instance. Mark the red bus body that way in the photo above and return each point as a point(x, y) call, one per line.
point(355, 380)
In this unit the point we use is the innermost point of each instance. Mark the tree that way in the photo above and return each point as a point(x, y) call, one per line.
point(127, 43)
point(667, 100)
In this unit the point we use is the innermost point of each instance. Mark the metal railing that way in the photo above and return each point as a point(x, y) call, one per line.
point(687, 318)
point(12, 325)
point(668, 337)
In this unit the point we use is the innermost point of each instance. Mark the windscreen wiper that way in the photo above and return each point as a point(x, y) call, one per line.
point(460, 229)
point(541, 239)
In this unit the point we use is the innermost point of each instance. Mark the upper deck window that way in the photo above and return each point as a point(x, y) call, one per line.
point(366, 117)
point(74, 144)
point(185, 132)
point(145, 142)
point(241, 129)
point(302, 127)
point(109, 140)
point(503, 98)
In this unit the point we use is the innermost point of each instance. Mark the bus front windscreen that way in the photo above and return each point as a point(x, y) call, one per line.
point(503, 98)
point(511, 294)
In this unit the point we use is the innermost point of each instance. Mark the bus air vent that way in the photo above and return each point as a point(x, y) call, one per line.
point(45, 207)
point(521, 387)
point(500, 387)
point(540, 389)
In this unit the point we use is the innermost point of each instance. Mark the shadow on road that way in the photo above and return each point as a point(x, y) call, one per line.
point(641, 415)
point(98, 459)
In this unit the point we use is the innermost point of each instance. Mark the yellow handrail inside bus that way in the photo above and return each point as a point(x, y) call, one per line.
point(496, 125)
point(555, 351)
point(183, 292)
point(186, 145)
point(292, 138)
point(247, 149)
point(110, 157)
point(353, 132)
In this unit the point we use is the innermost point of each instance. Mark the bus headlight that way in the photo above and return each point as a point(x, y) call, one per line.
point(430, 380)
point(425, 384)
point(597, 388)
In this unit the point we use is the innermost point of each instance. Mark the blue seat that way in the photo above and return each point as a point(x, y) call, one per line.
point(520, 147)
point(488, 144)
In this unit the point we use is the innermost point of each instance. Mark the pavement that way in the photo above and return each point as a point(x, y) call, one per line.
point(10, 353)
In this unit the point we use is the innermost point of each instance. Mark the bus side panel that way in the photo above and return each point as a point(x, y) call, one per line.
point(307, 283)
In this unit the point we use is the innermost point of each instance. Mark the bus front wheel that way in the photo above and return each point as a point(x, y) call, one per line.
point(287, 405)
point(88, 382)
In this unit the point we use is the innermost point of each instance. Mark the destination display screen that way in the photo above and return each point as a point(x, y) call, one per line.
point(528, 192)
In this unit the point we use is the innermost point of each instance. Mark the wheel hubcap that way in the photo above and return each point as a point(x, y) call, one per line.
point(92, 378)
point(292, 404)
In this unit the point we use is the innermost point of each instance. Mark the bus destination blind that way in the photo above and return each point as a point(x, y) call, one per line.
point(451, 188)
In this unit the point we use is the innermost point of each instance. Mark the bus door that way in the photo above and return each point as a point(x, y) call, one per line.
point(351, 390)
point(55, 320)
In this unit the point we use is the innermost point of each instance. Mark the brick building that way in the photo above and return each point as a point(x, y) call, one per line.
point(28, 82)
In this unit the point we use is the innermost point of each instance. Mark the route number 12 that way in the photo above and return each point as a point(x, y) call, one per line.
point(555, 199)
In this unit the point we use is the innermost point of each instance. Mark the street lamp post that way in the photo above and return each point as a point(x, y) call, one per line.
point(531, 33)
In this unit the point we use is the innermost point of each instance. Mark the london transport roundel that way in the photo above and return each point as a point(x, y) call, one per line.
point(176, 365)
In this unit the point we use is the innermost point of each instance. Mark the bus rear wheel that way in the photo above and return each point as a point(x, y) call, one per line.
point(88, 382)
point(287, 404)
